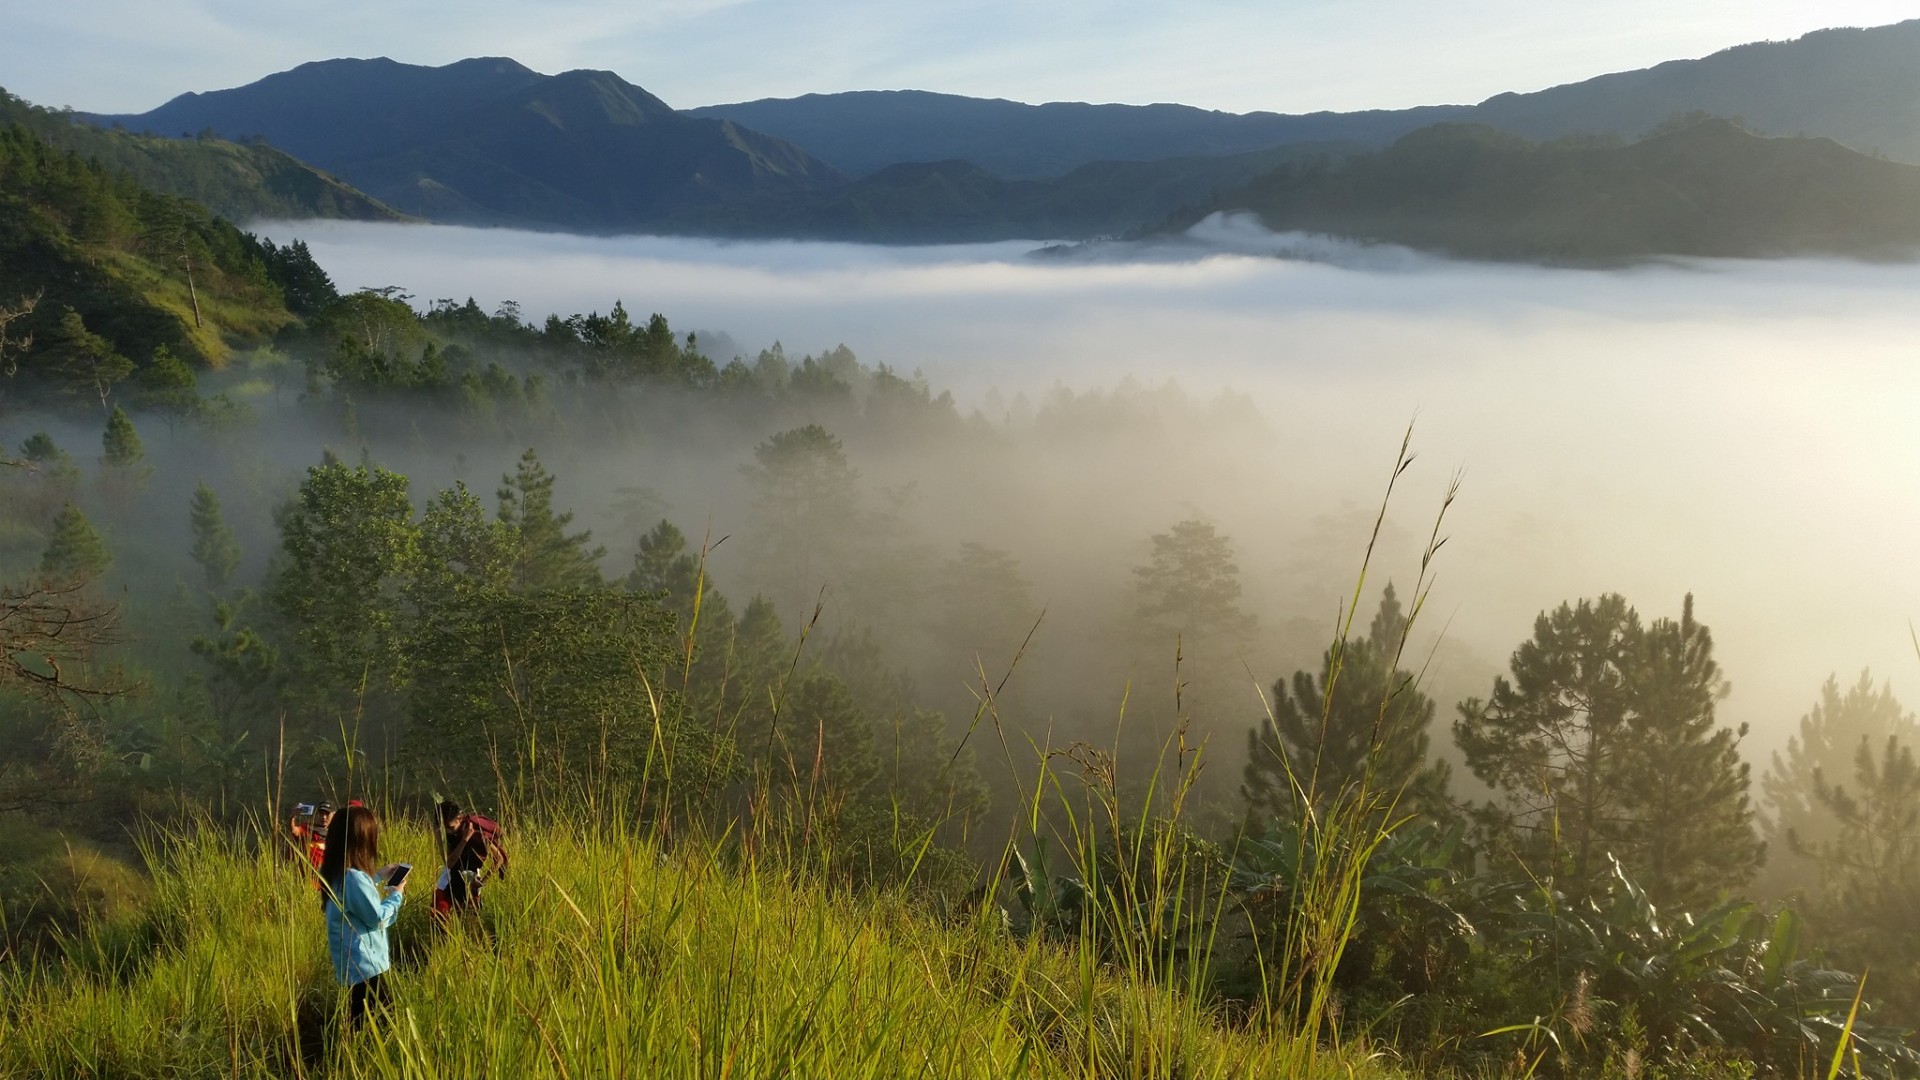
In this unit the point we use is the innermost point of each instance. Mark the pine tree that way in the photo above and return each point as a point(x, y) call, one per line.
point(1824, 749)
point(807, 514)
point(1604, 743)
point(662, 567)
point(214, 547)
point(120, 443)
point(825, 745)
point(346, 541)
point(1373, 730)
point(1191, 587)
point(87, 362)
point(75, 552)
point(1694, 835)
point(549, 557)
point(167, 385)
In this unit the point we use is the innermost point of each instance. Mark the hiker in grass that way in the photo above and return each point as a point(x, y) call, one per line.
point(474, 853)
point(360, 905)
point(309, 828)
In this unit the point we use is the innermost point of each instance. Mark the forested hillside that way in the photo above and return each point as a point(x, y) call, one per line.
point(1702, 186)
point(239, 181)
point(114, 282)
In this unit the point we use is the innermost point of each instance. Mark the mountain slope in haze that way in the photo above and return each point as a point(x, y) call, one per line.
point(490, 141)
point(959, 202)
point(863, 131)
point(240, 181)
point(1858, 87)
point(1707, 188)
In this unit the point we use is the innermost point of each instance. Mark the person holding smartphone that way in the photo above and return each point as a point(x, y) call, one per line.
point(361, 899)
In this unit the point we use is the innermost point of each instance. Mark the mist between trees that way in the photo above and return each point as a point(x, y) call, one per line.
point(471, 554)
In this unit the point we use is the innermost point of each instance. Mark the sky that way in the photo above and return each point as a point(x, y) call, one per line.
point(1235, 55)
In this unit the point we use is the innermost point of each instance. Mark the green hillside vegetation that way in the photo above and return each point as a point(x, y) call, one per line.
point(118, 276)
point(1702, 187)
point(956, 202)
point(238, 181)
point(764, 827)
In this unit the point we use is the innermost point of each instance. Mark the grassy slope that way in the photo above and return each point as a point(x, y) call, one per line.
point(606, 959)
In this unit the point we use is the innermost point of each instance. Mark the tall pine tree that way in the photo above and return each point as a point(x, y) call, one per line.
point(75, 552)
point(549, 556)
point(1371, 728)
point(214, 547)
point(1824, 750)
point(1604, 742)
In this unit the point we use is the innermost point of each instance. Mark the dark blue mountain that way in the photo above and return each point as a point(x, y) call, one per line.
point(490, 141)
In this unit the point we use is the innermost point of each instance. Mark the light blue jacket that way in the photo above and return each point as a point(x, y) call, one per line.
point(357, 921)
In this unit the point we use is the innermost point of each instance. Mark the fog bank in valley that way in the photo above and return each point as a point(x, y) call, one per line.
point(1741, 431)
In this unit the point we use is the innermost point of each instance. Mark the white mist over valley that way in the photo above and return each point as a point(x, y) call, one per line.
point(1739, 430)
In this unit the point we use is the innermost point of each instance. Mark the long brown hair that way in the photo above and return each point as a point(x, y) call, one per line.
point(353, 842)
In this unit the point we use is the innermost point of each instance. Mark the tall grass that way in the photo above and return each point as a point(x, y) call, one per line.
point(621, 947)
point(601, 956)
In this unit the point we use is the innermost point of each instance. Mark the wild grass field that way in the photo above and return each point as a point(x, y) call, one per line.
point(604, 954)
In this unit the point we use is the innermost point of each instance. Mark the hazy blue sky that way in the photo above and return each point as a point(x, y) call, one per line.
point(1283, 55)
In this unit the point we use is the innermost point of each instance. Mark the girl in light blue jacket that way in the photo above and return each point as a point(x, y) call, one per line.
point(359, 906)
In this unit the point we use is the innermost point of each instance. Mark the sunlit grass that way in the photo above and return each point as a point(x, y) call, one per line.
point(603, 956)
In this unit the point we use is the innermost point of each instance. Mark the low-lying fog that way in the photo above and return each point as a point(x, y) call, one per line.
point(1742, 431)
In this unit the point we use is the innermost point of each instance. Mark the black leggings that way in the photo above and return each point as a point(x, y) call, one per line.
point(364, 997)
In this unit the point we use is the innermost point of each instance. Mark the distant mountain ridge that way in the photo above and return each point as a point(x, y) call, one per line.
point(959, 202)
point(1707, 188)
point(490, 141)
point(864, 131)
point(1859, 87)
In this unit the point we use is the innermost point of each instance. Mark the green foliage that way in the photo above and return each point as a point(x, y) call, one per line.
point(167, 386)
point(241, 672)
point(75, 551)
point(346, 541)
point(1868, 886)
point(1358, 725)
point(561, 690)
point(546, 555)
point(120, 443)
point(1605, 743)
point(215, 549)
point(82, 238)
point(1826, 744)
point(87, 362)
point(54, 885)
point(307, 289)
point(1190, 587)
point(808, 512)
point(239, 180)
point(603, 946)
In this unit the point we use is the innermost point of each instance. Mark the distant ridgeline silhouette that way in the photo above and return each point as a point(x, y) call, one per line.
point(490, 141)
point(1704, 187)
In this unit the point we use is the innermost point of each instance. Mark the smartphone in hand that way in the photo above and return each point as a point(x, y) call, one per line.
point(397, 877)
